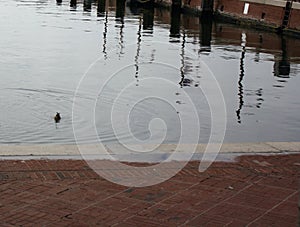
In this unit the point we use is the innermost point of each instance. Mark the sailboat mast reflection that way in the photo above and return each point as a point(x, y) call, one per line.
point(105, 36)
point(183, 81)
point(121, 38)
point(136, 58)
point(120, 13)
point(241, 77)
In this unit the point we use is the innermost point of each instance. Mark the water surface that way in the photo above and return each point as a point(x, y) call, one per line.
point(46, 48)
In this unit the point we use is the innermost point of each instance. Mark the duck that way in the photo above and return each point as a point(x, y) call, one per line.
point(57, 117)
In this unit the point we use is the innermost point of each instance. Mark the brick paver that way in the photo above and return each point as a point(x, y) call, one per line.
point(254, 191)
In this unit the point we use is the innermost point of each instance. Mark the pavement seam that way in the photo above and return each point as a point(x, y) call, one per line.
point(160, 202)
point(275, 206)
point(44, 199)
point(276, 148)
point(90, 205)
point(248, 186)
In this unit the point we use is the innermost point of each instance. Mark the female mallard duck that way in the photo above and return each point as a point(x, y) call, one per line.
point(57, 118)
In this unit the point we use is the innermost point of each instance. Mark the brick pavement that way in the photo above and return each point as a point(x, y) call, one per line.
point(254, 191)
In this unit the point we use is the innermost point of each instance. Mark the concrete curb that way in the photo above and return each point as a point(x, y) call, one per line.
point(94, 149)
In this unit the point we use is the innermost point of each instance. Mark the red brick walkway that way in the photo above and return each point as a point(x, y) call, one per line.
point(257, 190)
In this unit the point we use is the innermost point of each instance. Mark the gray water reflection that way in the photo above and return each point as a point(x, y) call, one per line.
point(46, 47)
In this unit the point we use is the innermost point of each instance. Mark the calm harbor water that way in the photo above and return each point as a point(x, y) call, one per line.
point(46, 49)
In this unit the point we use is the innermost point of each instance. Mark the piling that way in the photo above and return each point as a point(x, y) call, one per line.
point(206, 21)
point(101, 7)
point(87, 5)
point(120, 8)
point(148, 18)
point(73, 4)
point(175, 18)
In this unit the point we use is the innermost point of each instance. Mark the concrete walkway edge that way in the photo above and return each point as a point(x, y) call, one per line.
point(66, 151)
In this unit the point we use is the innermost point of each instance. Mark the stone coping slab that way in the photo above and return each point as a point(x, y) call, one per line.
point(163, 149)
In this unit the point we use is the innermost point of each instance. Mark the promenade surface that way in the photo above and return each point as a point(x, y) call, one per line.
point(254, 191)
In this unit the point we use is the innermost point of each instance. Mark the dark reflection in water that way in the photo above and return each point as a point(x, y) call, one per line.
point(241, 77)
point(282, 65)
point(120, 9)
point(58, 2)
point(73, 4)
point(87, 5)
point(101, 7)
point(258, 49)
point(134, 9)
point(120, 12)
point(136, 58)
point(184, 81)
point(206, 21)
point(175, 21)
point(259, 98)
point(182, 62)
point(121, 38)
point(148, 18)
point(147, 11)
point(105, 36)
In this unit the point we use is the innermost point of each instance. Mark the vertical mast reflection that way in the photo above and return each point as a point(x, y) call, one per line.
point(241, 77)
point(136, 58)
